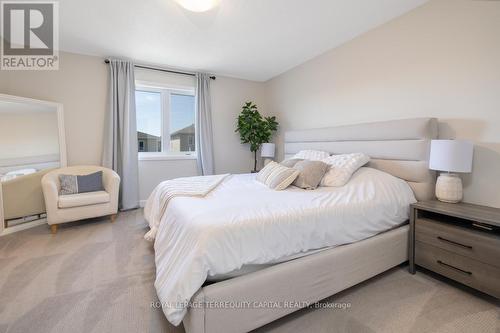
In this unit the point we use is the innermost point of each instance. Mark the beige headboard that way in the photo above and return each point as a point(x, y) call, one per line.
point(398, 147)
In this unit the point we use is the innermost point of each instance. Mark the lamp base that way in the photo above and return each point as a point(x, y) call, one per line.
point(449, 188)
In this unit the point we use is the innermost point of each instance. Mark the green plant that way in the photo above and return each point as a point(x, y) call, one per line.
point(255, 129)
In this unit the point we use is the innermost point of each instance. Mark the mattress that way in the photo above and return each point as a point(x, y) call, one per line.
point(247, 269)
point(242, 222)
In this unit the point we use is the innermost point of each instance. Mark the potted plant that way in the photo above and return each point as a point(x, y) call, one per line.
point(255, 129)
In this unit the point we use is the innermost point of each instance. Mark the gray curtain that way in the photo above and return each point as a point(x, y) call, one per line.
point(204, 135)
point(120, 132)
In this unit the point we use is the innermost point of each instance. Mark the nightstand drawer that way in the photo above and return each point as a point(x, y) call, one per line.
point(473, 244)
point(472, 273)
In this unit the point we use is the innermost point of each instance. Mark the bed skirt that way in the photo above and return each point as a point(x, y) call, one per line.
point(250, 301)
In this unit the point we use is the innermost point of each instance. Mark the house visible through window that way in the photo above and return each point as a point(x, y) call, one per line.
point(165, 120)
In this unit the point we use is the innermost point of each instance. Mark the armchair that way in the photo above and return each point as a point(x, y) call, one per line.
point(74, 207)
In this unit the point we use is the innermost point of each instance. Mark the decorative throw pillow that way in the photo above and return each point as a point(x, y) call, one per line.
point(310, 174)
point(289, 163)
point(276, 176)
point(266, 171)
point(313, 155)
point(281, 177)
point(342, 167)
point(71, 184)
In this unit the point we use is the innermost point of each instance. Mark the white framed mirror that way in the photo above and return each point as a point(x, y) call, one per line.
point(32, 142)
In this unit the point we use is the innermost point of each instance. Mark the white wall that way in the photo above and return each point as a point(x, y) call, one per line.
point(440, 60)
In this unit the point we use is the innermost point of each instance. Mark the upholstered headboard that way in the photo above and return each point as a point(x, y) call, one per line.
point(398, 147)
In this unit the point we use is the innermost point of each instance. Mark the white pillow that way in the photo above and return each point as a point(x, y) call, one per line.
point(313, 155)
point(276, 176)
point(342, 167)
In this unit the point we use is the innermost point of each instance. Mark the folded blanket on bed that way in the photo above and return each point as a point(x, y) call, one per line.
point(157, 202)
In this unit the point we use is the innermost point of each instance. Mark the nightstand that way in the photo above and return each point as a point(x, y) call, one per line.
point(460, 241)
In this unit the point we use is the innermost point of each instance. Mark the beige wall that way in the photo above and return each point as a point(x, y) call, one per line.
point(28, 134)
point(81, 86)
point(228, 96)
point(440, 60)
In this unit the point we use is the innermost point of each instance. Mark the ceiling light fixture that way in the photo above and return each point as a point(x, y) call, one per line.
point(198, 5)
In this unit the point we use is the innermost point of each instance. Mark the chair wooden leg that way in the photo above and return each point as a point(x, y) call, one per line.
point(113, 217)
point(53, 229)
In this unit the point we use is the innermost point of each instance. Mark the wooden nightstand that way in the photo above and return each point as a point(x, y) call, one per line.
point(459, 241)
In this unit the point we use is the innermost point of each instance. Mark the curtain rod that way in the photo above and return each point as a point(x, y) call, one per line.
point(162, 70)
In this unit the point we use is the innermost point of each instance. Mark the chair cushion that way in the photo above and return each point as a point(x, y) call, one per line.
point(73, 184)
point(83, 199)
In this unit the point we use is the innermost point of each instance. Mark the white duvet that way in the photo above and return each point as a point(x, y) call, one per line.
point(243, 222)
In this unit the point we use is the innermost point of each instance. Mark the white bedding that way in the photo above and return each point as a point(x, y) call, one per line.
point(242, 222)
point(250, 268)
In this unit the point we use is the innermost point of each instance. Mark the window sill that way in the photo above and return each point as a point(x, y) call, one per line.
point(165, 157)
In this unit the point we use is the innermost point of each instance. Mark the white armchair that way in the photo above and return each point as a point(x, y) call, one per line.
point(74, 207)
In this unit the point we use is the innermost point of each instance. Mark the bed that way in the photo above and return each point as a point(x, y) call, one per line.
point(286, 275)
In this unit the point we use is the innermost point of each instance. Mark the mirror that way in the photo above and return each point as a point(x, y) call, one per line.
point(31, 144)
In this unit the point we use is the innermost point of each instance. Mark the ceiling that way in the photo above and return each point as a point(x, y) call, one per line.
point(250, 39)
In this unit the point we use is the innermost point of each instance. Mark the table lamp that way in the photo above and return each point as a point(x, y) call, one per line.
point(450, 156)
point(267, 151)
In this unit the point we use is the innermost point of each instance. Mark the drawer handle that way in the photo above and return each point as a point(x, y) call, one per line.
point(453, 267)
point(454, 243)
point(482, 226)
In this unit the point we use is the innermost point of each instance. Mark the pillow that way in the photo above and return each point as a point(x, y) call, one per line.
point(289, 163)
point(264, 173)
point(310, 174)
point(71, 184)
point(313, 155)
point(276, 176)
point(342, 167)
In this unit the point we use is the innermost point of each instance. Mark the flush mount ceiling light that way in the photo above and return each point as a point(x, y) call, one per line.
point(198, 5)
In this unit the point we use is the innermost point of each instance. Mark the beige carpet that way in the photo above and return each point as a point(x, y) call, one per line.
point(95, 276)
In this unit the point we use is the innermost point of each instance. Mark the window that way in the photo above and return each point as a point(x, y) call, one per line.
point(149, 114)
point(165, 121)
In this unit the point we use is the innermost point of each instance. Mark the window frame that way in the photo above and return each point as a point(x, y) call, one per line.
point(165, 94)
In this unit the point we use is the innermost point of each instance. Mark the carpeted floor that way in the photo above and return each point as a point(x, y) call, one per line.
point(95, 276)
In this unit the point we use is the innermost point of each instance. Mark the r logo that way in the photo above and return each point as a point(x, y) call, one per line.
point(29, 34)
point(28, 28)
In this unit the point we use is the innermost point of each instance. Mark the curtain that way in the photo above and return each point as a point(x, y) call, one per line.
point(120, 139)
point(204, 135)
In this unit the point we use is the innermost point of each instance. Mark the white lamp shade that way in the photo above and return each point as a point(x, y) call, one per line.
point(267, 150)
point(451, 155)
